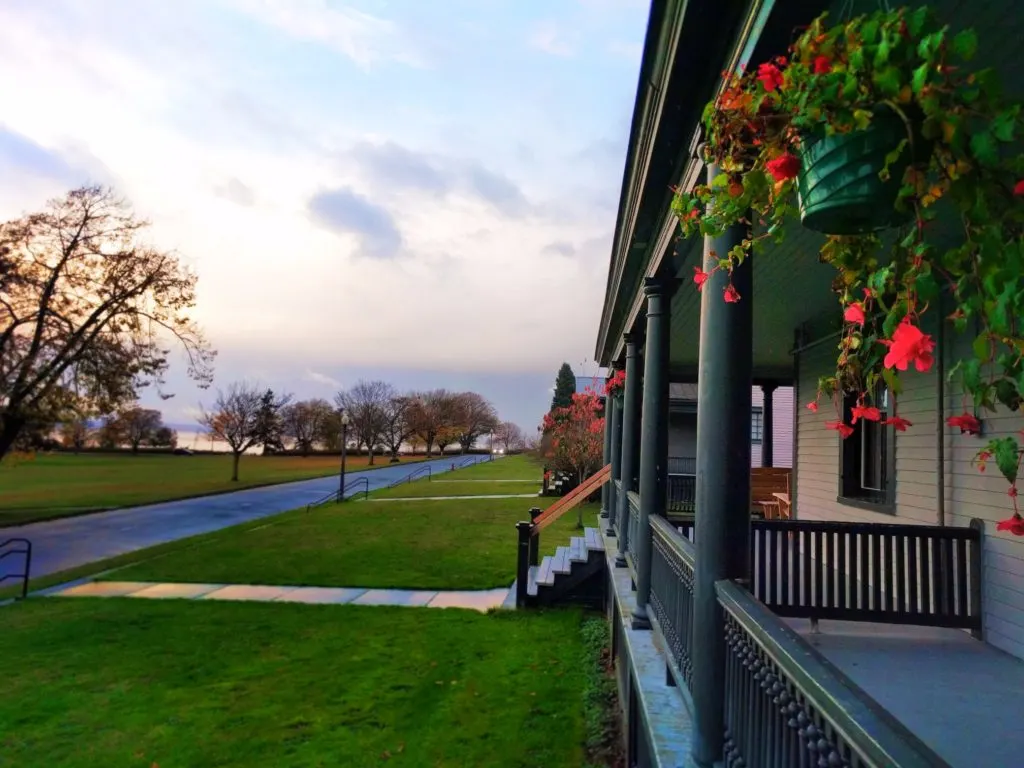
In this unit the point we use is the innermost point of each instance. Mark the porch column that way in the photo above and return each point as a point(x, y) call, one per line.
point(606, 456)
point(614, 407)
point(653, 434)
point(630, 421)
point(768, 426)
point(723, 478)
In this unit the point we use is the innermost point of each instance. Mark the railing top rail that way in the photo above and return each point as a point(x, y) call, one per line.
point(574, 497)
point(411, 476)
point(664, 530)
point(945, 532)
point(15, 540)
point(877, 736)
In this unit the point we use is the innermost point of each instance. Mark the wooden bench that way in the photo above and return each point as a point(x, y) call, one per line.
point(765, 482)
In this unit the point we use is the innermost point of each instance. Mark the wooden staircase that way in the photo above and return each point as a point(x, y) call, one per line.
point(568, 575)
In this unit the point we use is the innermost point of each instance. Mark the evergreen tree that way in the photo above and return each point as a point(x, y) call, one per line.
point(565, 387)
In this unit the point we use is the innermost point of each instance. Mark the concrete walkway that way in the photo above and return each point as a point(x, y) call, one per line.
point(475, 600)
point(72, 541)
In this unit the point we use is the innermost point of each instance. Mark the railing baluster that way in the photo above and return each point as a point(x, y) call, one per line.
point(948, 587)
point(913, 581)
point(876, 571)
point(862, 572)
point(841, 575)
point(899, 543)
point(962, 572)
point(806, 557)
point(926, 576)
point(785, 544)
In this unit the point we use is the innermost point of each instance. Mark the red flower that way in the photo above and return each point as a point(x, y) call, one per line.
point(822, 65)
point(1014, 525)
point(692, 215)
point(908, 345)
point(700, 277)
point(843, 429)
point(731, 295)
point(868, 413)
point(1012, 491)
point(785, 166)
point(966, 422)
point(770, 76)
point(1018, 188)
point(898, 423)
point(812, 407)
point(854, 313)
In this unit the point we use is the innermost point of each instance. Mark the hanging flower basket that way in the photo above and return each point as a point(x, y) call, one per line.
point(847, 185)
point(867, 125)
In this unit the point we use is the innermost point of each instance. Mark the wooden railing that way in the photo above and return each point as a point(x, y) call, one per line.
point(897, 574)
point(786, 706)
point(574, 497)
point(672, 562)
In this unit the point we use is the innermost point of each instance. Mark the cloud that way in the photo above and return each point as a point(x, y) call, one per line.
point(394, 164)
point(560, 248)
point(236, 192)
point(547, 37)
point(18, 153)
point(346, 212)
point(322, 378)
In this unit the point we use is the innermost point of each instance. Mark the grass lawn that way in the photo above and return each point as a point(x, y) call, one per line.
point(519, 467)
point(106, 683)
point(64, 484)
point(465, 544)
point(447, 487)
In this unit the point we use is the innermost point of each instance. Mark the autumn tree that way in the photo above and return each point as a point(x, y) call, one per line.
point(396, 424)
point(366, 404)
point(474, 416)
point(430, 413)
point(111, 434)
point(139, 425)
point(447, 435)
point(88, 310)
point(510, 437)
point(575, 438)
point(306, 423)
point(75, 433)
point(565, 387)
point(235, 420)
point(164, 437)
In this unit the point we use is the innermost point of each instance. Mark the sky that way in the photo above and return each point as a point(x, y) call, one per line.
point(422, 192)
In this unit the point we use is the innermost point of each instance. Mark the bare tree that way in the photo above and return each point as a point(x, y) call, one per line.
point(235, 419)
point(306, 423)
point(509, 436)
point(75, 433)
point(138, 425)
point(87, 310)
point(366, 404)
point(397, 427)
point(475, 416)
point(431, 413)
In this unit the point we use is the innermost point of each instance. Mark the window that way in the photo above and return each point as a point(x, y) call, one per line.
point(756, 425)
point(866, 456)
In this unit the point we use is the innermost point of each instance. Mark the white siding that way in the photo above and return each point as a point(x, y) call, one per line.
point(968, 493)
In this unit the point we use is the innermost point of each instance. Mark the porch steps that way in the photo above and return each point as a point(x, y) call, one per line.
point(561, 577)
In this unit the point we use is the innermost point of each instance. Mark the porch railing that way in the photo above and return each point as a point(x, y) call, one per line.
point(786, 706)
point(682, 465)
point(672, 562)
point(897, 574)
point(633, 521)
point(682, 493)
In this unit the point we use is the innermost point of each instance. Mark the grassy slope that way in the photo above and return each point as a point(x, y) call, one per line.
point(446, 487)
point(62, 484)
point(519, 467)
point(122, 682)
point(465, 544)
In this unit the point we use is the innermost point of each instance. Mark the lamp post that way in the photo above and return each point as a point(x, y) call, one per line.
point(344, 443)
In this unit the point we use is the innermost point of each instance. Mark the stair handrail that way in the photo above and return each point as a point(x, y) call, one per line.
point(467, 462)
point(335, 496)
point(573, 498)
point(418, 472)
point(27, 552)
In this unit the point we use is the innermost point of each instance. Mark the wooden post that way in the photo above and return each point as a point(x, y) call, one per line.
point(525, 530)
point(535, 512)
point(723, 477)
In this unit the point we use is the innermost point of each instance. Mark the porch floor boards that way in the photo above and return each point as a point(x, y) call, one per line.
point(959, 695)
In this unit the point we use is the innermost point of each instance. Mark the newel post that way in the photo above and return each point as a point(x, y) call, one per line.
point(525, 531)
point(628, 462)
point(723, 478)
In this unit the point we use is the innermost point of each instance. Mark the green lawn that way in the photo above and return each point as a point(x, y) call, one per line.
point(446, 487)
point(520, 467)
point(106, 683)
point(57, 485)
point(465, 544)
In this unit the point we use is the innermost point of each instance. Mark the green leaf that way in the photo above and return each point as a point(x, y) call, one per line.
point(896, 314)
point(888, 81)
point(982, 348)
point(892, 380)
point(1005, 123)
point(983, 147)
point(882, 53)
point(1007, 455)
point(1008, 395)
point(919, 79)
point(965, 44)
point(927, 287)
point(916, 21)
point(869, 31)
point(972, 375)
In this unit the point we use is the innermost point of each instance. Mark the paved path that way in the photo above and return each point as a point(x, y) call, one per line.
point(476, 600)
point(73, 541)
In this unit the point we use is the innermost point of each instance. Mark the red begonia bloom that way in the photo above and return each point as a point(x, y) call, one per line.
point(783, 167)
point(966, 422)
point(822, 65)
point(1014, 525)
point(843, 429)
point(1018, 188)
point(854, 313)
point(868, 413)
point(898, 423)
point(770, 76)
point(731, 295)
point(700, 277)
point(909, 345)
point(812, 407)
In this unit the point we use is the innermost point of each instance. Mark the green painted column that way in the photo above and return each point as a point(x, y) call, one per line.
point(615, 406)
point(768, 425)
point(630, 421)
point(653, 434)
point(723, 479)
point(606, 457)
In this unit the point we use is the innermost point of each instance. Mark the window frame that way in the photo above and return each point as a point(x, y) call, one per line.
point(759, 413)
point(851, 491)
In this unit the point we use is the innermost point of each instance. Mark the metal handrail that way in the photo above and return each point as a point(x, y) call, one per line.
point(467, 462)
point(819, 708)
point(27, 552)
point(421, 471)
point(335, 496)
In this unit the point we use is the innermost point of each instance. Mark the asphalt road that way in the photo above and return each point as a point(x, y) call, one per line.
point(69, 542)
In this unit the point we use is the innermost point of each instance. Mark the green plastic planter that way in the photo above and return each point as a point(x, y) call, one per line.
point(839, 189)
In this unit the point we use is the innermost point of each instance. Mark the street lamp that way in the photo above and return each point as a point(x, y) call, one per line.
point(344, 443)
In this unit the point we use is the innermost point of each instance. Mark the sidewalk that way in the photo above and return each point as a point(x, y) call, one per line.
point(482, 600)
